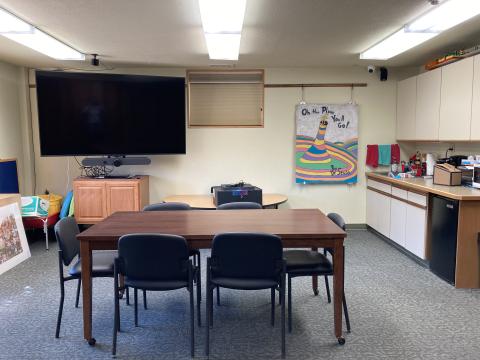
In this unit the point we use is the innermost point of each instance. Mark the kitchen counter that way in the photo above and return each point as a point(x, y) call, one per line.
point(422, 185)
point(379, 209)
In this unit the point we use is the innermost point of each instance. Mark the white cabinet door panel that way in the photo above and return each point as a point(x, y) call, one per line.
point(475, 126)
point(456, 100)
point(417, 198)
point(427, 116)
point(415, 230)
point(398, 220)
point(406, 102)
point(387, 188)
point(383, 212)
point(371, 206)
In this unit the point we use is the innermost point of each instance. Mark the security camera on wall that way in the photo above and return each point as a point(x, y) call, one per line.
point(371, 69)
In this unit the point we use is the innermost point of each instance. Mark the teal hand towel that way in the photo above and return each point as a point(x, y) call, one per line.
point(384, 154)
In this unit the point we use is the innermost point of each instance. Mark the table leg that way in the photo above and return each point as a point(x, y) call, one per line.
point(86, 258)
point(315, 279)
point(338, 273)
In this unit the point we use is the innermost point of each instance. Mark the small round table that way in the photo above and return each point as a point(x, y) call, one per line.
point(206, 201)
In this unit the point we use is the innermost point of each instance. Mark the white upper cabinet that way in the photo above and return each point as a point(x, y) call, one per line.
point(475, 126)
point(406, 100)
point(427, 118)
point(456, 100)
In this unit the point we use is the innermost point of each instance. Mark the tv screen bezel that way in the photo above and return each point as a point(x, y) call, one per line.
point(119, 75)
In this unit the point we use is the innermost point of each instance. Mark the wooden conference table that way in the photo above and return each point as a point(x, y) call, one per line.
point(206, 201)
point(307, 228)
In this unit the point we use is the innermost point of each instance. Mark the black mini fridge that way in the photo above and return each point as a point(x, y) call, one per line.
point(444, 237)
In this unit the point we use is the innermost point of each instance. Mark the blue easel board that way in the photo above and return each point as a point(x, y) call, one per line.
point(8, 177)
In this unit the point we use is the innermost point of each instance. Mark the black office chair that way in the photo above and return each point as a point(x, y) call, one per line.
point(172, 206)
point(154, 262)
point(312, 263)
point(167, 206)
point(239, 206)
point(246, 261)
point(66, 231)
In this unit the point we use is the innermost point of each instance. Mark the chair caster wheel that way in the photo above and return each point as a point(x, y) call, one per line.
point(315, 292)
point(92, 342)
point(341, 340)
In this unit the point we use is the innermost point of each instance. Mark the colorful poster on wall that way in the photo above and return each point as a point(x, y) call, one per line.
point(13, 241)
point(326, 148)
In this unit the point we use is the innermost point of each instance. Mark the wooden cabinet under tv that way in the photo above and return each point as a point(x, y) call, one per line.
point(95, 199)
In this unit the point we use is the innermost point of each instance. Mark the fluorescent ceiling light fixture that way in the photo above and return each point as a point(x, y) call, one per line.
point(442, 17)
point(222, 16)
point(395, 44)
point(223, 46)
point(446, 16)
point(23, 33)
point(222, 22)
point(9, 23)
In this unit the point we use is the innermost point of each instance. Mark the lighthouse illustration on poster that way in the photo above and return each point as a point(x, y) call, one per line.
point(326, 148)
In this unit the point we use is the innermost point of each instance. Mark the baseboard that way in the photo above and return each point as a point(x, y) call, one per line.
point(356, 226)
point(404, 251)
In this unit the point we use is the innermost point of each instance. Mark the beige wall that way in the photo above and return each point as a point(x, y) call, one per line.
point(264, 157)
point(10, 116)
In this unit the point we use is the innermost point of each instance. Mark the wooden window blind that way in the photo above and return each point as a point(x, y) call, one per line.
point(225, 98)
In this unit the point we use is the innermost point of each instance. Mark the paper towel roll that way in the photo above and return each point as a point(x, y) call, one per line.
point(430, 164)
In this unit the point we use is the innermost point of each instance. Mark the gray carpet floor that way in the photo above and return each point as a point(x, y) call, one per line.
point(398, 310)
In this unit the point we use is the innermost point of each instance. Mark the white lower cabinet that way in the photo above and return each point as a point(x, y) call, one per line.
point(377, 206)
point(384, 208)
point(398, 221)
point(401, 222)
point(415, 230)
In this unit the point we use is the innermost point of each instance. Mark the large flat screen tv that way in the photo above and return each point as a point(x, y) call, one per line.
point(109, 114)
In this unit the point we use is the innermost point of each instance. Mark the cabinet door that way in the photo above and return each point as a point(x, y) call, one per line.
point(427, 115)
point(406, 102)
point(475, 125)
point(90, 205)
point(371, 208)
point(415, 230)
point(456, 100)
point(122, 197)
point(383, 215)
point(398, 221)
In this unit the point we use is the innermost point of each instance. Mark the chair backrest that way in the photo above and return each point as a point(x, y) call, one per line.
point(239, 206)
point(167, 206)
point(247, 255)
point(338, 220)
point(66, 231)
point(153, 257)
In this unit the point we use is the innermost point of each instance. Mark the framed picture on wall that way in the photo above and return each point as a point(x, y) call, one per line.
point(326, 146)
point(13, 241)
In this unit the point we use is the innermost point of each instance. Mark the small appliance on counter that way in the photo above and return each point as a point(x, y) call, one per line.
point(446, 174)
point(455, 160)
point(467, 175)
point(476, 176)
point(238, 192)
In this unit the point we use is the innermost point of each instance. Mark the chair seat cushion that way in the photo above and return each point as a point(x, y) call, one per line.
point(306, 260)
point(102, 264)
point(244, 284)
point(156, 285)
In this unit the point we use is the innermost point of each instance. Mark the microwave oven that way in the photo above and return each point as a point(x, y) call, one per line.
point(476, 176)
